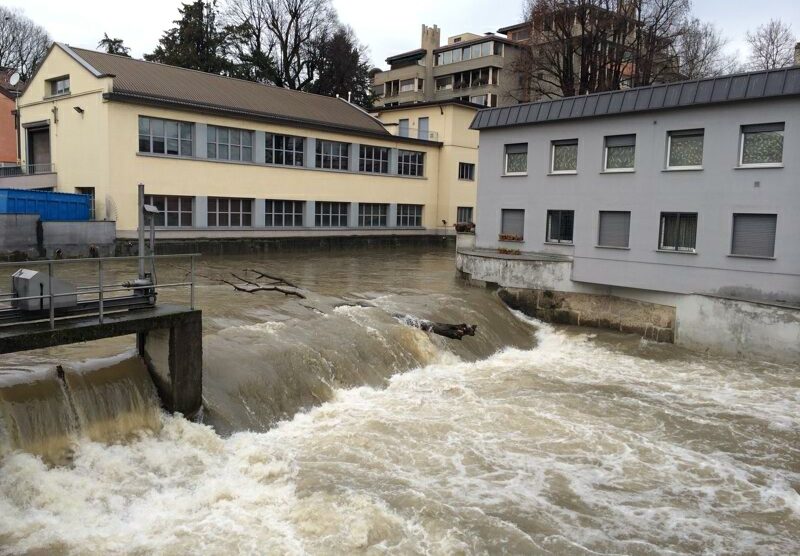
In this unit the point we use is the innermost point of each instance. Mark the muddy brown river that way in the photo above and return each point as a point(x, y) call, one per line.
point(330, 427)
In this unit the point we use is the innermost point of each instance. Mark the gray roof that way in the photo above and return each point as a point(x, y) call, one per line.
point(149, 83)
point(730, 88)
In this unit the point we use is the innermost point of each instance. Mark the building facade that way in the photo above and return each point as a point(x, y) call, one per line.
point(657, 193)
point(224, 158)
point(470, 68)
point(8, 128)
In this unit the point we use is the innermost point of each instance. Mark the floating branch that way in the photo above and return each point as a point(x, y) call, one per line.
point(453, 331)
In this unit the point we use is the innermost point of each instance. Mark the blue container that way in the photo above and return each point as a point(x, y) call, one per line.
point(49, 205)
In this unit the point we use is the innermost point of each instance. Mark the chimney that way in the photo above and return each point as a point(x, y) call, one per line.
point(797, 54)
point(430, 37)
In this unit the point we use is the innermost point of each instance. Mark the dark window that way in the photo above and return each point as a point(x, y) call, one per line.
point(559, 226)
point(225, 143)
point(374, 160)
point(165, 136)
point(172, 210)
point(372, 215)
point(754, 235)
point(464, 214)
point(466, 171)
point(512, 224)
point(409, 215)
point(678, 231)
point(332, 155)
point(283, 213)
point(228, 212)
point(284, 150)
point(334, 215)
point(410, 163)
point(614, 228)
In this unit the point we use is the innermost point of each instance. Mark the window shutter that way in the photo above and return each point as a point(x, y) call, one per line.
point(614, 229)
point(754, 234)
point(517, 148)
point(621, 141)
point(513, 222)
point(763, 128)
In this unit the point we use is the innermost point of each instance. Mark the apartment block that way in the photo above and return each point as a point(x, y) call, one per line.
point(469, 67)
point(225, 158)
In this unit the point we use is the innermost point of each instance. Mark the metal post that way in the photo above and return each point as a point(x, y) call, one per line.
point(140, 208)
point(191, 286)
point(100, 287)
point(50, 291)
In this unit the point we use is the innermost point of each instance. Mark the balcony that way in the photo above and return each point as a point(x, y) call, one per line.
point(412, 132)
point(28, 176)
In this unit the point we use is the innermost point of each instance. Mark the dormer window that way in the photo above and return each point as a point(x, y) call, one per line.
point(59, 86)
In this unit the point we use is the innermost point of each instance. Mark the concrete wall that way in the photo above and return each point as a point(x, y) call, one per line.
point(77, 239)
point(716, 192)
point(18, 235)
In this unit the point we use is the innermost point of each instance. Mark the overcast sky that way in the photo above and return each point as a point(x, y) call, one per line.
point(385, 27)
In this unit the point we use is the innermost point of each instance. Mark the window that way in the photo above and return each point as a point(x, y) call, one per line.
point(173, 211)
point(90, 192)
point(754, 235)
point(464, 214)
point(444, 83)
point(372, 215)
point(402, 127)
point(283, 213)
point(225, 143)
point(559, 226)
point(333, 215)
point(165, 137)
point(614, 228)
point(512, 224)
point(685, 149)
point(373, 160)
point(333, 155)
point(409, 215)
point(58, 86)
point(285, 150)
point(225, 212)
point(406, 85)
point(564, 157)
point(678, 232)
point(761, 145)
point(620, 153)
point(410, 163)
point(377, 90)
point(466, 171)
point(516, 159)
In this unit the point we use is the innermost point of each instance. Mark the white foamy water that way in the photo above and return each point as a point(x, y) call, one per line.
point(578, 446)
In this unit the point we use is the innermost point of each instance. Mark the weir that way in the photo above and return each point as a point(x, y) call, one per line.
point(169, 337)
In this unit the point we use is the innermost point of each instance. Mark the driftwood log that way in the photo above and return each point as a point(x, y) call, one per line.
point(453, 331)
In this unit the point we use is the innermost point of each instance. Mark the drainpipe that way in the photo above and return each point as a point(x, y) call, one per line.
point(141, 230)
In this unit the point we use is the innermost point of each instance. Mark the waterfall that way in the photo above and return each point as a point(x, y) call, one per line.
point(47, 411)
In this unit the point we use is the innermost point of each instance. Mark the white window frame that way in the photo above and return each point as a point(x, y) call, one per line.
point(341, 214)
point(608, 170)
point(549, 227)
point(410, 163)
point(289, 210)
point(662, 226)
point(561, 143)
point(368, 212)
point(684, 133)
point(215, 210)
point(470, 171)
point(505, 160)
point(742, 133)
point(409, 216)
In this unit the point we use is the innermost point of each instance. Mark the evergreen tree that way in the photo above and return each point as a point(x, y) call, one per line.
point(113, 46)
point(196, 42)
point(341, 68)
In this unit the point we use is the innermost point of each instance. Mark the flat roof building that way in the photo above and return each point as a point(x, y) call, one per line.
point(223, 157)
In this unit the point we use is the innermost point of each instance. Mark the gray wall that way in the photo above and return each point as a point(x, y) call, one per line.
point(18, 234)
point(715, 193)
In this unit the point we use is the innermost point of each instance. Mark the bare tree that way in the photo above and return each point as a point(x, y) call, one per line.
point(285, 32)
point(771, 46)
point(584, 46)
point(701, 52)
point(23, 43)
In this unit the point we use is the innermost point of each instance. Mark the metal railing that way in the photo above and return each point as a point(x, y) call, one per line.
point(27, 170)
point(414, 133)
point(101, 289)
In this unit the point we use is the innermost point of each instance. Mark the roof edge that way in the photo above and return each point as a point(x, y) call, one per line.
point(136, 98)
point(428, 104)
point(75, 56)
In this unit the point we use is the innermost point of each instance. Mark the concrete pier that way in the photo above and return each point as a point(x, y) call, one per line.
point(169, 338)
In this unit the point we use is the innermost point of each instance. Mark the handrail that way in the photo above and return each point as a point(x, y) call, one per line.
point(101, 289)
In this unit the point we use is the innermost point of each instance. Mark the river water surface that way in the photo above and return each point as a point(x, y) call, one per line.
point(330, 427)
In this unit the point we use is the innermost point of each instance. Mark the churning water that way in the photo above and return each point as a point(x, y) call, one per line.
point(337, 429)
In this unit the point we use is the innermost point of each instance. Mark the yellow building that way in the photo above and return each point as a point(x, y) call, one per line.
point(224, 158)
